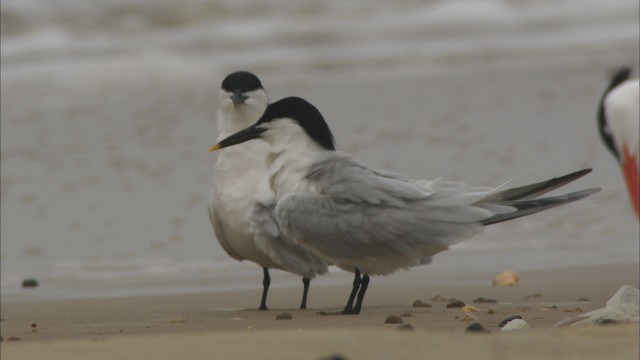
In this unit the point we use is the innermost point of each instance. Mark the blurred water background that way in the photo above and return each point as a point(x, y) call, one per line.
point(108, 107)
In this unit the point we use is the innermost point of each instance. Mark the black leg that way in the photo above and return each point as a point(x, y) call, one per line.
point(266, 281)
point(361, 292)
point(306, 282)
point(357, 281)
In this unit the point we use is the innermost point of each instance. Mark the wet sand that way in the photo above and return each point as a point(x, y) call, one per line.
point(225, 325)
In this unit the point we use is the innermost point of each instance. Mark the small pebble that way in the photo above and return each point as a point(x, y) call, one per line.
point(476, 327)
point(468, 318)
point(393, 319)
point(482, 300)
point(438, 298)
point(334, 357)
point(406, 314)
point(512, 317)
point(573, 310)
point(405, 327)
point(34, 327)
point(469, 309)
point(515, 325)
point(30, 283)
point(284, 316)
point(506, 278)
point(533, 296)
point(583, 300)
point(455, 304)
point(175, 319)
point(251, 328)
point(14, 338)
point(491, 311)
point(420, 303)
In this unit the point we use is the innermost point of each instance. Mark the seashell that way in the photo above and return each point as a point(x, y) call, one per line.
point(469, 309)
point(510, 318)
point(405, 327)
point(506, 278)
point(515, 325)
point(468, 318)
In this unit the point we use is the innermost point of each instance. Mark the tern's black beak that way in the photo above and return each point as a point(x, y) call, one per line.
point(237, 98)
point(250, 133)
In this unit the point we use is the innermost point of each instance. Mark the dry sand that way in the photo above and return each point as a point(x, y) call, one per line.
point(226, 326)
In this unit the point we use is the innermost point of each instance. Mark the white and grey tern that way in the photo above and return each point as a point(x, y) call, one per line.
point(241, 203)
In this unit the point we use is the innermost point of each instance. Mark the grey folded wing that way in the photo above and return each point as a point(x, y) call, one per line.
point(290, 256)
point(360, 214)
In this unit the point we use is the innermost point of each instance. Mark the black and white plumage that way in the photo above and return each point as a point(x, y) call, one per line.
point(241, 203)
point(619, 127)
point(370, 221)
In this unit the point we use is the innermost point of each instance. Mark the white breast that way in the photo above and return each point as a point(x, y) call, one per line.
point(622, 107)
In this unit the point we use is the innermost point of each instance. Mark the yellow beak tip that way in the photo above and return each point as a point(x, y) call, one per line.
point(214, 148)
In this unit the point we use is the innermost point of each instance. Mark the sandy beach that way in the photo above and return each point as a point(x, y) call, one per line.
point(227, 326)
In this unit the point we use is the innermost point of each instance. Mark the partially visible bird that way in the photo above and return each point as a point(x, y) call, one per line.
point(241, 204)
point(370, 221)
point(619, 127)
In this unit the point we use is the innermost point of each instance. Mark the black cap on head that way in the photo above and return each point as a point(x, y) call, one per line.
point(307, 116)
point(242, 81)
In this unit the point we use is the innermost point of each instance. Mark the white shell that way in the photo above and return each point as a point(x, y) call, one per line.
point(515, 325)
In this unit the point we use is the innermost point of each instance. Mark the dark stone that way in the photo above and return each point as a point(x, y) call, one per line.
point(393, 319)
point(482, 300)
point(420, 303)
point(284, 316)
point(30, 283)
point(455, 304)
point(14, 338)
point(476, 327)
point(533, 296)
